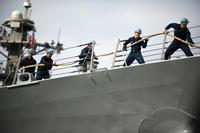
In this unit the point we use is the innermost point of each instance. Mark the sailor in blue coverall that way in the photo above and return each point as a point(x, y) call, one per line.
point(27, 61)
point(85, 55)
point(135, 49)
point(43, 71)
point(181, 31)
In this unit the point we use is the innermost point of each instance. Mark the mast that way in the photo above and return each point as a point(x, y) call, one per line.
point(19, 25)
point(15, 38)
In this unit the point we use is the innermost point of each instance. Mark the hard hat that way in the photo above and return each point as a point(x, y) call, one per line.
point(184, 21)
point(51, 51)
point(30, 51)
point(138, 30)
point(16, 15)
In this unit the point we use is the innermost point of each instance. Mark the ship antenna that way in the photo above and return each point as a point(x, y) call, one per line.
point(59, 30)
point(27, 5)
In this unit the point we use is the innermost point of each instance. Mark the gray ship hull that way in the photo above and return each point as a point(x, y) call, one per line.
point(108, 101)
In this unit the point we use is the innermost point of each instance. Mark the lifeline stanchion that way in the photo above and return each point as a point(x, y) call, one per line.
point(115, 53)
point(124, 57)
point(163, 47)
point(92, 56)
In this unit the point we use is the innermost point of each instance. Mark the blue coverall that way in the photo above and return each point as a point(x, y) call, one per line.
point(86, 52)
point(26, 62)
point(183, 34)
point(43, 71)
point(135, 51)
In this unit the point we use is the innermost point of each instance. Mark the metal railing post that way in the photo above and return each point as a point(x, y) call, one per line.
point(114, 57)
point(124, 57)
point(163, 47)
point(17, 68)
point(92, 56)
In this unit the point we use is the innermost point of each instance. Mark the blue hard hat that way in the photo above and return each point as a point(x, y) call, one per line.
point(30, 51)
point(184, 21)
point(138, 30)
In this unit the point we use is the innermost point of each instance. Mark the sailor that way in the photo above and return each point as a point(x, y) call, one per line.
point(85, 57)
point(28, 61)
point(135, 49)
point(181, 31)
point(46, 65)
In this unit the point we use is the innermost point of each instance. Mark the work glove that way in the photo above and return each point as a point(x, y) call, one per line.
point(124, 48)
point(54, 64)
point(166, 31)
point(146, 40)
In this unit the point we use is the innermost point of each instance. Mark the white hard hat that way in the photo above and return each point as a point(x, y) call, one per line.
point(51, 51)
point(16, 15)
point(138, 30)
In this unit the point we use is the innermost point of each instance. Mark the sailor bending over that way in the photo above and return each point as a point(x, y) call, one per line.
point(181, 31)
point(85, 56)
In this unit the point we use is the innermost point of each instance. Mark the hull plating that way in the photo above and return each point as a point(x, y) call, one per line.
point(112, 101)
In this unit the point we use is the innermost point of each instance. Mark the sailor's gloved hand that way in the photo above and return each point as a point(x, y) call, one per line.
point(166, 31)
point(124, 48)
point(146, 40)
point(54, 64)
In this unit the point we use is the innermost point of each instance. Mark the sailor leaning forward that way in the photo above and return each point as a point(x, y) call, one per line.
point(181, 31)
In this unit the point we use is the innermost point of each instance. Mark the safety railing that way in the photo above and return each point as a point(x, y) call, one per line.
point(70, 65)
point(155, 51)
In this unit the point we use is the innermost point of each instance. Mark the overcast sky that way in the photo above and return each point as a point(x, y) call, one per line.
point(104, 21)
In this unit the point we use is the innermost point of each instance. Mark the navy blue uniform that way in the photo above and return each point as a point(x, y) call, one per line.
point(183, 34)
point(135, 51)
point(43, 71)
point(85, 53)
point(26, 62)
